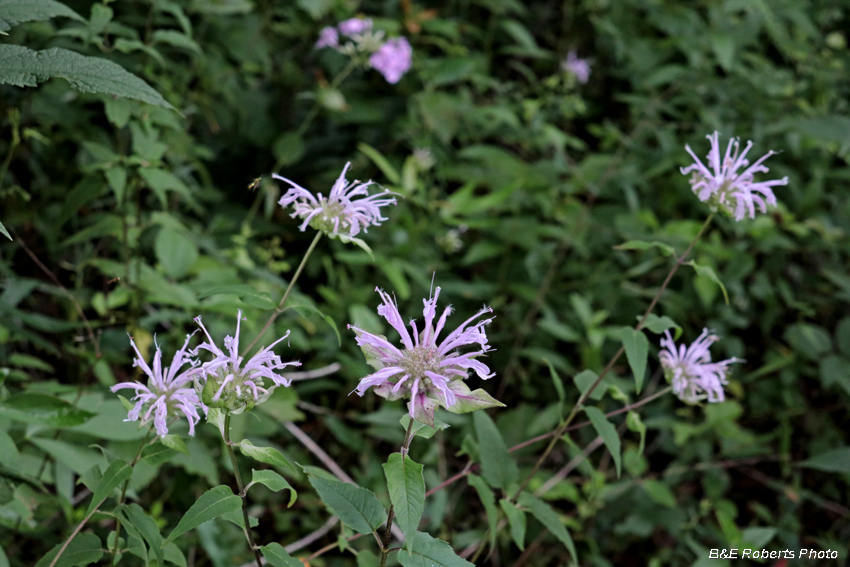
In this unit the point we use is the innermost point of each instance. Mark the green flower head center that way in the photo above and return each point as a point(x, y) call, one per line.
point(418, 360)
point(326, 221)
point(235, 394)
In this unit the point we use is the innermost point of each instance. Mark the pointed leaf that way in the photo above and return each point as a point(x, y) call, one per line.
point(470, 401)
point(277, 556)
point(356, 507)
point(174, 442)
point(634, 423)
point(117, 472)
point(498, 466)
point(666, 249)
point(84, 549)
point(637, 350)
point(429, 552)
point(585, 379)
point(556, 381)
point(407, 491)
point(516, 521)
point(275, 482)
point(268, 455)
point(608, 432)
point(837, 460)
point(547, 516)
point(658, 324)
point(709, 273)
point(212, 504)
point(135, 516)
point(14, 12)
point(5, 232)
point(40, 409)
point(489, 502)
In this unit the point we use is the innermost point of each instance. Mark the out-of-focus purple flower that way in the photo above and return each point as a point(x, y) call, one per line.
point(693, 375)
point(355, 26)
point(393, 59)
point(229, 384)
point(166, 393)
point(342, 212)
point(721, 186)
point(328, 37)
point(578, 67)
point(429, 372)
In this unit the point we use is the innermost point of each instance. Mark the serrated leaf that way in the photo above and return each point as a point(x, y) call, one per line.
point(358, 508)
point(14, 12)
point(277, 556)
point(546, 515)
point(268, 455)
point(84, 549)
point(212, 504)
point(406, 486)
point(488, 499)
point(666, 249)
point(429, 552)
point(117, 472)
point(273, 481)
point(40, 409)
point(837, 460)
point(637, 351)
point(498, 466)
point(24, 67)
point(608, 432)
point(516, 522)
point(709, 273)
point(146, 526)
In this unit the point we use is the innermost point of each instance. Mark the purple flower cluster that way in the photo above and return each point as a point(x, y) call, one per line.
point(392, 58)
point(345, 211)
point(428, 371)
point(690, 370)
point(722, 187)
point(578, 67)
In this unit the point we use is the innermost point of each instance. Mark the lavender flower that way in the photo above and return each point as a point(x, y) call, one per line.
point(341, 213)
point(166, 392)
point(722, 187)
point(328, 37)
point(578, 67)
point(393, 59)
point(428, 372)
point(355, 26)
point(691, 371)
point(230, 385)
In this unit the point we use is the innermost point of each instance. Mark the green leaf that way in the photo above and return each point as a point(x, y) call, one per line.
point(489, 502)
point(634, 423)
point(379, 160)
point(176, 39)
point(24, 67)
point(245, 292)
point(14, 12)
point(5, 232)
point(84, 549)
point(174, 442)
point(76, 457)
point(498, 466)
point(277, 556)
point(837, 460)
point(547, 516)
point(666, 249)
point(471, 401)
point(709, 273)
point(176, 253)
point(406, 486)
point(146, 526)
point(117, 472)
point(289, 148)
point(212, 504)
point(356, 507)
point(274, 482)
point(585, 379)
point(658, 324)
point(660, 493)
point(39, 409)
point(556, 381)
point(608, 432)
point(516, 521)
point(637, 351)
point(268, 455)
point(429, 552)
point(360, 243)
point(421, 429)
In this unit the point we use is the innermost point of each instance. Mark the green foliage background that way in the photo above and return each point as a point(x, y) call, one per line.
point(517, 183)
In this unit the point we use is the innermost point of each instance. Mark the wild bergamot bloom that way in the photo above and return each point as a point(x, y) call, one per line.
point(429, 372)
point(393, 59)
point(690, 370)
point(577, 66)
point(722, 187)
point(347, 209)
point(230, 385)
point(166, 393)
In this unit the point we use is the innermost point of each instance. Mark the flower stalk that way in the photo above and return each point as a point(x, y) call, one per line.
point(241, 485)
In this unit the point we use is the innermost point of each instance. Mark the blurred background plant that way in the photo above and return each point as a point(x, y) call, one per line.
point(517, 182)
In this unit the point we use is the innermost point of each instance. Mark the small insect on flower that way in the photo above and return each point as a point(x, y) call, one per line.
point(168, 392)
point(429, 372)
point(690, 370)
point(723, 188)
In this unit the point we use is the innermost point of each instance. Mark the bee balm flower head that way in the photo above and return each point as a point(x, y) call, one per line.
point(393, 59)
point(690, 370)
point(428, 371)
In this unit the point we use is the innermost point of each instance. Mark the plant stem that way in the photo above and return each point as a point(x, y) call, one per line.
point(579, 404)
point(279, 309)
point(242, 494)
point(385, 548)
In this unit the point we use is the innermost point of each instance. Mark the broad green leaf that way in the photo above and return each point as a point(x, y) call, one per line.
point(585, 379)
point(634, 423)
point(608, 432)
point(516, 522)
point(176, 39)
point(117, 472)
point(660, 493)
point(709, 273)
point(379, 160)
point(406, 486)
point(14, 12)
point(212, 504)
point(277, 556)
point(76, 457)
point(498, 466)
point(429, 552)
point(245, 292)
point(546, 515)
point(174, 442)
point(4, 561)
point(146, 526)
point(274, 482)
point(360, 243)
point(175, 251)
point(268, 455)
point(356, 507)
point(757, 536)
point(289, 148)
point(469, 401)
point(39, 409)
point(24, 67)
point(666, 249)
point(658, 324)
point(366, 558)
point(637, 350)
point(837, 460)
point(421, 429)
point(86, 548)
point(488, 499)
